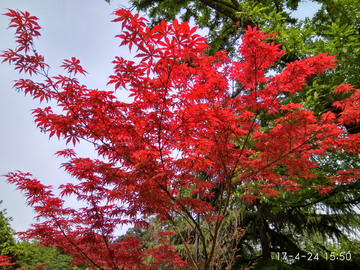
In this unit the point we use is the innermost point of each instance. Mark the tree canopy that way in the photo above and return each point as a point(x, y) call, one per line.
point(334, 28)
point(9, 250)
point(198, 124)
point(36, 256)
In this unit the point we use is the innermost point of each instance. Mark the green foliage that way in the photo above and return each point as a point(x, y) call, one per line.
point(265, 264)
point(352, 246)
point(144, 234)
point(300, 224)
point(8, 245)
point(35, 255)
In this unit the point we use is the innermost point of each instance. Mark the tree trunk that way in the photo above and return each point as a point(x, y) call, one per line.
point(265, 245)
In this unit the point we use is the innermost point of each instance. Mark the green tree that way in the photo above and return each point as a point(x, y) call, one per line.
point(297, 225)
point(300, 224)
point(146, 235)
point(35, 255)
point(8, 245)
point(29, 255)
point(303, 222)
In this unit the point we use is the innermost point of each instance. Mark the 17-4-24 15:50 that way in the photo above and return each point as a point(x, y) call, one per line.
point(332, 256)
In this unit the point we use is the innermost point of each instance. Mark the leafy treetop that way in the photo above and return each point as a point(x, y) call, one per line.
point(184, 120)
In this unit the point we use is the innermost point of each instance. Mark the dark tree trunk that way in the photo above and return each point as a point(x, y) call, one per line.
point(264, 240)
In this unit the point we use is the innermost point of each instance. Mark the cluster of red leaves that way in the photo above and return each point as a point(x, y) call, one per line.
point(26, 30)
point(184, 120)
point(5, 261)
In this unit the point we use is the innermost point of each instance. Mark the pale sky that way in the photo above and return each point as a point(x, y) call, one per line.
point(79, 28)
point(71, 28)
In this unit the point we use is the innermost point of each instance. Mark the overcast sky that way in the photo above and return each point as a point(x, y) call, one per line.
point(79, 28)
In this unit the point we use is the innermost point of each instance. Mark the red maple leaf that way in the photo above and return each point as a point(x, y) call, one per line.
point(184, 134)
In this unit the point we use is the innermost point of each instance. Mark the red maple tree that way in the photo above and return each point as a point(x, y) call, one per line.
point(191, 114)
